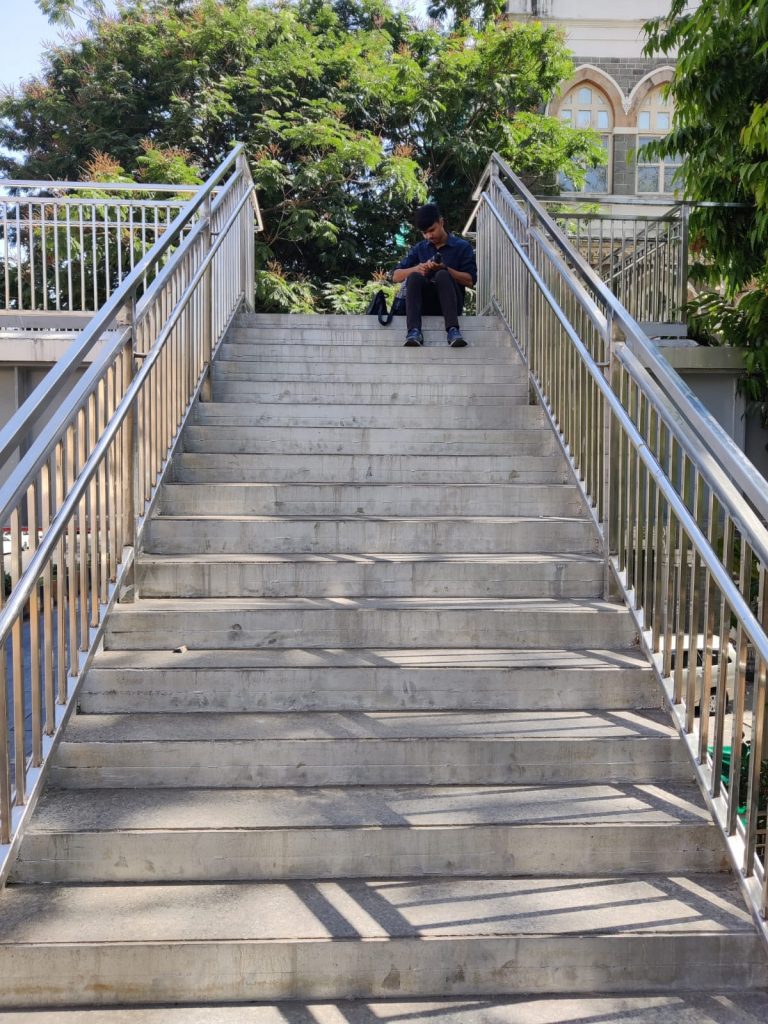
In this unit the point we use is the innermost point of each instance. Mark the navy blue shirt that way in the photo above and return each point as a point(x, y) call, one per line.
point(457, 254)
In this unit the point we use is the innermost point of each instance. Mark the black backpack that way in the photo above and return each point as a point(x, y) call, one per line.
point(378, 307)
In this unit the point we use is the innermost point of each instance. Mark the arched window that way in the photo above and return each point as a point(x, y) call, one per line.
point(586, 106)
point(654, 120)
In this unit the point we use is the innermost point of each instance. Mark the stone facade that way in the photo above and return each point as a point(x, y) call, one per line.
point(607, 39)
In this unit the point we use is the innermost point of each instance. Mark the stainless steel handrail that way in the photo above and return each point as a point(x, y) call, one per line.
point(65, 369)
point(681, 511)
point(89, 481)
point(738, 466)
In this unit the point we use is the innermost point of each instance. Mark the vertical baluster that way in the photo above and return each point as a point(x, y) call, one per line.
point(721, 700)
point(49, 680)
point(32, 256)
point(81, 227)
point(94, 258)
point(61, 576)
point(107, 275)
point(711, 598)
point(737, 731)
point(72, 574)
point(34, 635)
point(103, 515)
point(94, 519)
point(55, 211)
point(693, 631)
point(681, 595)
point(660, 516)
point(70, 303)
point(43, 256)
point(82, 536)
point(17, 649)
point(5, 752)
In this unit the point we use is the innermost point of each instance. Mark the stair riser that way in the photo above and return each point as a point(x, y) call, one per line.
point(363, 469)
point(363, 373)
point(355, 340)
point(330, 393)
point(353, 321)
point(556, 580)
point(403, 415)
point(573, 629)
point(218, 537)
point(240, 971)
point(435, 352)
point(281, 853)
point(353, 441)
point(398, 499)
point(118, 691)
point(244, 764)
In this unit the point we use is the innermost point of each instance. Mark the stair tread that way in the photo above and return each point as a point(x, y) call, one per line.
point(355, 909)
point(207, 605)
point(723, 1005)
point(470, 658)
point(335, 727)
point(350, 807)
point(374, 558)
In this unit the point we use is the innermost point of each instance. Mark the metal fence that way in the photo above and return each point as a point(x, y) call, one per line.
point(641, 256)
point(87, 483)
point(680, 509)
point(66, 246)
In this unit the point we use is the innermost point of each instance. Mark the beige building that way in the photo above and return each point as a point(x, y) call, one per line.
point(615, 89)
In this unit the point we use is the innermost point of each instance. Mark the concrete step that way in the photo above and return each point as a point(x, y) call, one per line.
point(354, 321)
point(209, 534)
point(108, 835)
point(435, 352)
point(331, 392)
point(367, 938)
point(427, 748)
point(715, 1006)
point(550, 498)
point(344, 575)
point(368, 441)
point(371, 333)
point(195, 467)
point(368, 679)
point(368, 622)
point(406, 372)
point(399, 414)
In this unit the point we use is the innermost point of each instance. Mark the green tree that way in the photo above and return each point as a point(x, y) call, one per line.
point(720, 89)
point(352, 112)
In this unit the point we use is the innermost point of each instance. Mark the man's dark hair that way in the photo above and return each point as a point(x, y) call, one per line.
point(426, 216)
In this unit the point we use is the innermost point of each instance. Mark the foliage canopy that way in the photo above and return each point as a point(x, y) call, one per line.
point(352, 111)
point(720, 89)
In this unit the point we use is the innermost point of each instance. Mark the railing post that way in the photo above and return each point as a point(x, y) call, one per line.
point(611, 469)
point(130, 482)
point(247, 242)
point(207, 314)
point(685, 211)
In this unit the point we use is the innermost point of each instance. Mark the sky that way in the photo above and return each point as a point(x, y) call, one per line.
point(21, 48)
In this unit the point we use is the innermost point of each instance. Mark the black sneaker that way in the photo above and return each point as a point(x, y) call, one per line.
point(414, 338)
point(455, 339)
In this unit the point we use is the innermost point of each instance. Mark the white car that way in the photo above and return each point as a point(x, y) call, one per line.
point(730, 676)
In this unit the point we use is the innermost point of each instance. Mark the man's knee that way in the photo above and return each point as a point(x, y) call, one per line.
point(414, 282)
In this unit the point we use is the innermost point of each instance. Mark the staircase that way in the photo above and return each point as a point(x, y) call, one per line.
point(370, 731)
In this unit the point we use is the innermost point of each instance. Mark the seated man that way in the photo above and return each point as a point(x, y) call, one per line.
point(436, 272)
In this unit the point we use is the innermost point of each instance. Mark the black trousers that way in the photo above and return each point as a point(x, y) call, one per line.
point(432, 296)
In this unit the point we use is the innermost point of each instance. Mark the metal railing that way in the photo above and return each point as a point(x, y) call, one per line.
point(87, 482)
point(680, 509)
point(642, 256)
point(66, 246)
